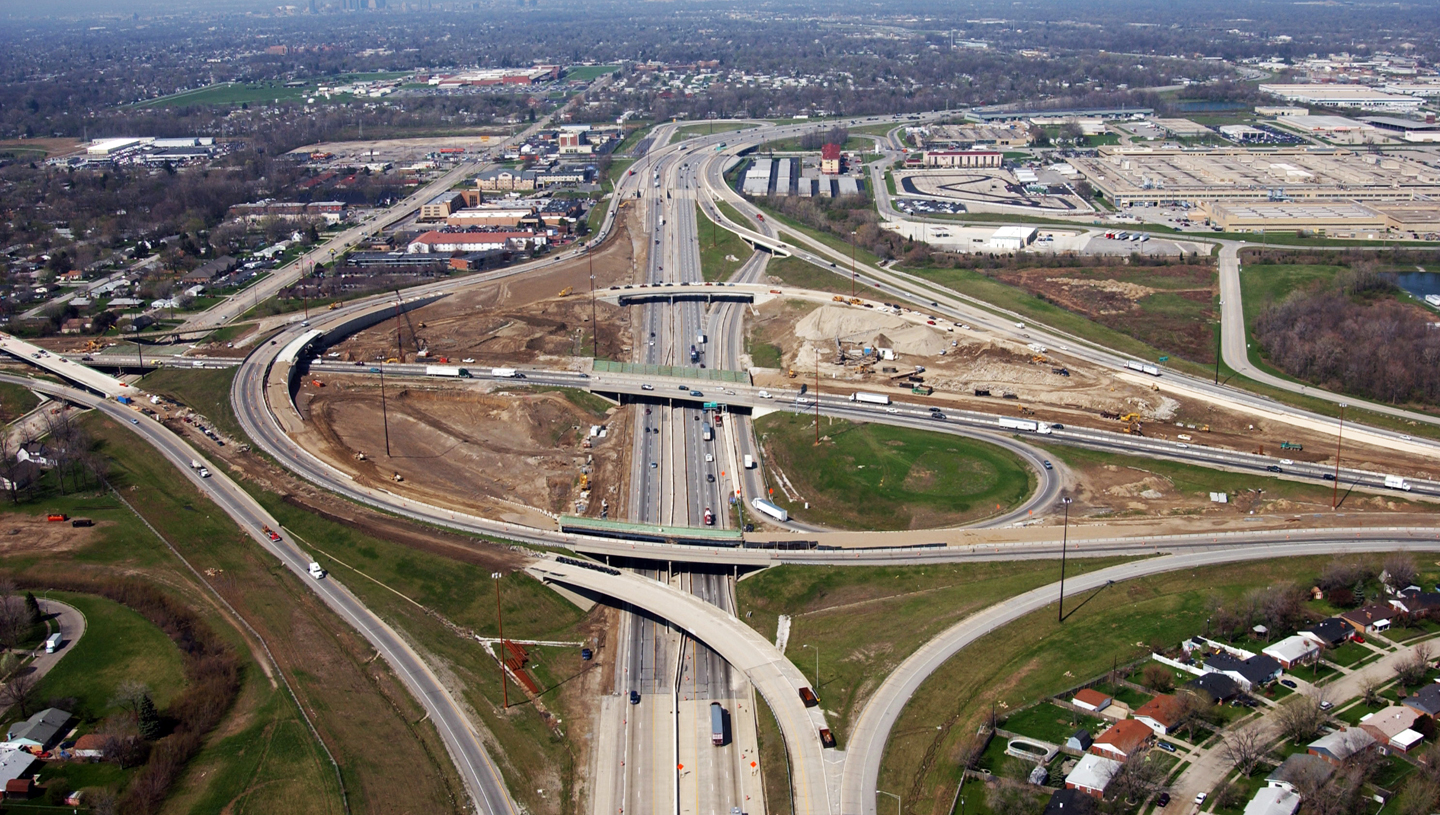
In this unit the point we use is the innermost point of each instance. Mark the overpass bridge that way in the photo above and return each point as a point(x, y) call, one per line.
point(66, 368)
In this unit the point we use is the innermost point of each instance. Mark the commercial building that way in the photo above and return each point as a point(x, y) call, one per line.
point(963, 158)
point(491, 215)
point(1012, 238)
point(440, 207)
point(474, 240)
point(1341, 96)
point(104, 148)
point(831, 159)
point(1290, 216)
point(1182, 128)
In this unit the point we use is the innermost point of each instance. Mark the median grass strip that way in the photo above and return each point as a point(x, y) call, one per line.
point(872, 476)
point(204, 390)
point(1036, 656)
point(802, 274)
point(722, 252)
point(862, 621)
point(15, 401)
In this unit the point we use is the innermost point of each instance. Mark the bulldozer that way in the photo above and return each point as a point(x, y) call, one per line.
point(566, 292)
point(791, 374)
point(1133, 428)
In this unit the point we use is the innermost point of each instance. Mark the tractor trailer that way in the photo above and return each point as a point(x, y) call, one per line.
point(870, 398)
point(505, 373)
point(767, 508)
point(1142, 368)
point(717, 724)
point(1025, 425)
point(441, 370)
point(1395, 482)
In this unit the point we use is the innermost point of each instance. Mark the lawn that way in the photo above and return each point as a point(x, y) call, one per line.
point(763, 354)
point(118, 645)
point(1125, 693)
point(1050, 722)
point(801, 274)
point(15, 401)
point(870, 476)
point(237, 93)
point(588, 73)
point(1348, 654)
point(717, 247)
point(865, 620)
point(1037, 656)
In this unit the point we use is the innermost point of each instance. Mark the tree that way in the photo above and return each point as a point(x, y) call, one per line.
point(128, 696)
point(14, 618)
point(1243, 749)
point(148, 719)
point(1300, 718)
point(32, 607)
point(1400, 570)
point(1343, 573)
point(1370, 691)
point(1157, 677)
point(1411, 671)
point(19, 692)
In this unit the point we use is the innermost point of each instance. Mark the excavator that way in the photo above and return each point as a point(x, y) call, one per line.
point(1130, 417)
point(565, 292)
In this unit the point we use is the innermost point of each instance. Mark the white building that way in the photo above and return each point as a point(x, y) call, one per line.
point(1273, 801)
point(1012, 238)
point(1092, 774)
point(1342, 96)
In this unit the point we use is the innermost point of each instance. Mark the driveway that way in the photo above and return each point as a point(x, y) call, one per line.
point(69, 622)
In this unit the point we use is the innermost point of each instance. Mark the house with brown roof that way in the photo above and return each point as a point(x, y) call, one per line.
point(1161, 714)
point(1125, 739)
point(1091, 699)
point(1393, 727)
point(1370, 619)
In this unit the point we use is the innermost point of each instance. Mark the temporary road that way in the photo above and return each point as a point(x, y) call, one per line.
point(482, 778)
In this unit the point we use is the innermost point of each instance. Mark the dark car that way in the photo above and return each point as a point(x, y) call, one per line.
point(710, 477)
point(939, 417)
point(1289, 684)
point(634, 697)
point(1163, 800)
point(1328, 476)
point(1274, 468)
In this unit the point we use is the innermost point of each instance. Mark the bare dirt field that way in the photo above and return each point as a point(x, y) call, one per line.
point(23, 533)
point(516, 320)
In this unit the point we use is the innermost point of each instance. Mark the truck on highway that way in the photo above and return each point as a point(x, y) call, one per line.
point(749, 462)
point(694, 354)
point(1395, 482)
point(505, 373)
point(1025, 425)
point(765, 507)
point(870, 398)
point(441, 370)
point(701, 338)
point(316, 571)
point(709, 517)
point(1142, 367)
point(717, 724)
point(707, 432)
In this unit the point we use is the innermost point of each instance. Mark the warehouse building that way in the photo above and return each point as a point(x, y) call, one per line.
point(1341, 96)
point(963, 158)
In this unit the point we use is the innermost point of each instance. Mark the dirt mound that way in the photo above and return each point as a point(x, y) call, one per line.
point(852, 325)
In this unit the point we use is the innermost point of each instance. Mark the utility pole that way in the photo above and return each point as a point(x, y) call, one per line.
point(384, 415)
point(852, 263)
point(1219, 333)
point(817, 397)
point(1335, 491)
point(594, 326)
point(1064, 545)
point(500, 623)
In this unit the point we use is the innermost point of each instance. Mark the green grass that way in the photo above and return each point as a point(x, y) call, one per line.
point(1050, 722)
point(204, 390)
point(1348, 654)
point(717, 246)
point(864, 620)
point(590, 403)
point(852, 144)
point(802, 274)
point(589, 73)
point(1037, 656)
point(118, 645)
point(764, 354)
point(236, 93)
point(869, 476)
point(15, 401)
point(705, 129)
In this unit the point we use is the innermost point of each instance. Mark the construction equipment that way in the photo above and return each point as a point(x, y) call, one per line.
point(1130, 417)
point(792, 373)
point(332, 307)
point(1205, 428)
point(856, 301)
point(1285, 445)
point(584, 481)
point(1154, 387)
point(1025, 411)
point(565, 292)
point(398, 478)
point(1133, 428)
point(392, 360)
point(838, 299)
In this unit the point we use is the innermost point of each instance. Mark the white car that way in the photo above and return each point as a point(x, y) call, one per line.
point(709, 458)
point(763, 394)
point(891, 410)
point(1287, 461)
point(647, 387)
point(468, 359)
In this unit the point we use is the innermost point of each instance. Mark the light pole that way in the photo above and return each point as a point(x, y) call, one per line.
point(1339, 434)
point(892, 795)
point(384, 414)
point(816, 649)
point(594, 327)
point(500, 624)
point(1064, 544)
point(852, 263)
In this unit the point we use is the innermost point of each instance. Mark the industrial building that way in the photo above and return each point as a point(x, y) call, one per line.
point(1012, 238)
point(1339, 219)
point(1342, 96)
point(474, 240)
point(963, 158)
point(1182, 128)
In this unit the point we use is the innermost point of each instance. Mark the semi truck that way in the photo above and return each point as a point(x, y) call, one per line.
point(1395, 482)
point(505, 373)
point(317, 571)
point(708, 432)
point(870, 398)
point(767, 508)
point(717, 724)
point(1142, 367)
point(1025, 425)
point(441, 370)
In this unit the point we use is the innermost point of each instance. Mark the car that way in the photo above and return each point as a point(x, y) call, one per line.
point(1057, 426)
point(1274, 468)
point(1166, 746)
point(374, 370)
point(763, 394)
point(891, 410)
point(710, 477)
point(1200, 799)
point(647, 411)
point(1406, 438)
point(696, 393)
point(684, 387)
point(647, 387)
point(634, 697)
point(134, 421)
point(274, 536)
point(1328, 476)
point(1326, 704)
point(1358, 639)
point(1289, 683)
point(1164, 799)
point(939, 417)
point(1047, 464)
point(1287, 461)
point(1183, 446)
point(654, 464)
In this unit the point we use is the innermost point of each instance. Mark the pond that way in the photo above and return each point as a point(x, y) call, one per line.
point(1419, 283)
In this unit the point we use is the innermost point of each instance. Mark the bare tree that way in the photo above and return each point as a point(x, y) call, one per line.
point(1343, 573)
point(1243, 749)
point(19, 692)
point(1158, 677)
point(1400, 570)
point(14, 616)
point(1300, 718)
point(1412, 671)
point(129, 695)
point(1370, 691)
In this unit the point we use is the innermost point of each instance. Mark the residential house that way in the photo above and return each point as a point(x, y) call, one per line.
point(1161, 714)
point(76, 325)
point(1301, 771)
point(1340, 745)
point(14, 764)
point(1249, 673)
point(1080, 741)
point(1217, 687)
point(1425, 701)
point(19, 476)
point(1091, 699)
point(19, 789)
point(1273, 801)
point(1294, 650)
point(1391, 727)
point(1371, 619)
point(1414, 602)
point(1069, 801)
point(41, 731)
point(36, 454)
point(1092, 775)
point(1124, 739)
point(1330, 632)
point(90, 745)
point(206, 273)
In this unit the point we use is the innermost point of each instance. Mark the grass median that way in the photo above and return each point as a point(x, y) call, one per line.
point(875, 477)
point(722, 252)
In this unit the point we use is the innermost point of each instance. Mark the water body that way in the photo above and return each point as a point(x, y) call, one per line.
point(1419, 283)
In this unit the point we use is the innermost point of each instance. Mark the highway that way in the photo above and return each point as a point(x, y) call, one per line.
point(481, 777)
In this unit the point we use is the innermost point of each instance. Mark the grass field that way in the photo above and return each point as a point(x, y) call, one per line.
point(118, 645)
point(1037, 656)
point(587, 73)
point(799, 273)
point(864, 620)
point(706, 129)
point(15, 401)
point(717, 246)
point(237, 93)
point(205, 390)
point(852, 144)
point(869, 476)
point(763, 354)
point(36, 149)
point(1049, 722)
